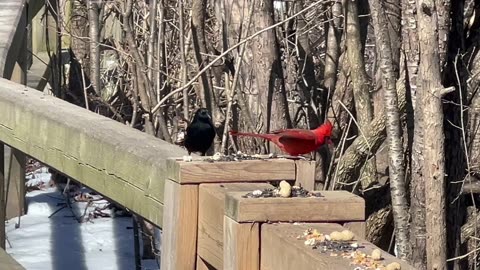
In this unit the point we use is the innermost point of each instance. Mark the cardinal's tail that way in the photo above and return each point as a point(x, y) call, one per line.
point(263, 136)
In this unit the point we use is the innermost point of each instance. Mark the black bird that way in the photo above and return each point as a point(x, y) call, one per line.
point(200, 132)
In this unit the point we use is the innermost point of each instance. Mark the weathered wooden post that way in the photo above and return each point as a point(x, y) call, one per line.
point(2, 195)
point(244, 217)
point(181, 202)
point(16, 185)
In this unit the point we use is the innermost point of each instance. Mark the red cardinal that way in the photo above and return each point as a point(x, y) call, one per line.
point(296, 141)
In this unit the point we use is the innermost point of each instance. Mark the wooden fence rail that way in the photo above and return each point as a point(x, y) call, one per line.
point(124, 164)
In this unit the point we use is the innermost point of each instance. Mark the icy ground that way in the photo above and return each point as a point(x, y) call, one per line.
point(47, 240)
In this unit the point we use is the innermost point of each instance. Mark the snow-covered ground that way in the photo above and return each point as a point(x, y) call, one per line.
point(47, 240)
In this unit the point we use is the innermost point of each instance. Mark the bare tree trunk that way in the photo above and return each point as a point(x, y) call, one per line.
point(151, 41)
point(94, 34)
point(358, 152)
point(443, 26)
point(343, 93)
point(417, 184)
point(244, 115)
point(394, 132)
point(80, 33)
point(268, 70)
point(79, 72)
point(361, 85)
point(199, 10)
point(434, 152)
point(143, 81)
point(184, 62)
point(305, 80)
point(333, 47)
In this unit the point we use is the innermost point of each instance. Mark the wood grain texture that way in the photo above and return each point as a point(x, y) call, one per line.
point(241, 250)
point(179, 242)
point(234, 171)
point(333, 206)
point(210, 218)
point(280, 250)
point(16, 201)
point(122, 163)
point(305, 174)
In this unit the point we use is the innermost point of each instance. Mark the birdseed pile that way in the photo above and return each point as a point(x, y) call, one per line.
point(297, 192)
point(342, 244)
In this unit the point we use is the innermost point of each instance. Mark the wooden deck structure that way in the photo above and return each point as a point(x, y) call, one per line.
point(206, 222)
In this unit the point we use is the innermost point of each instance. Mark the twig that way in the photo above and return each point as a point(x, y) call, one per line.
point(58, 210)
point(358, 126)
point(465, 149)
point(84, 89)
point(231, 91)
point(342, 148)
point(463, 256)
point(194, 79)
point(183, 59)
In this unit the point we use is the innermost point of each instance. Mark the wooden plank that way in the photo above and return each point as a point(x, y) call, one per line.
point(2, 196)
point(210, 218)
point(8, 263)
point(13, 20)
point(332, 206)
point(179, 242)
point(280, 250)
point(105, 155)
point(203, 265)
point(359, 228)
point(241, 250)
point(16, 205)
point(305, 174)
point(233, 171)
point(19, 72)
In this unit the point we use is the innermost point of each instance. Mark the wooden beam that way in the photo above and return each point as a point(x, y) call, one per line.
point(12, 33)
point(232, 171)
point(241, 249)
point(210, 218)
point(122, 163)
point(280, 250)
point(305, 174)
point(8, 263)
point(16, 205)
point(179, 243)
point(19, 72)
point(2, 196)
point(332, 206)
